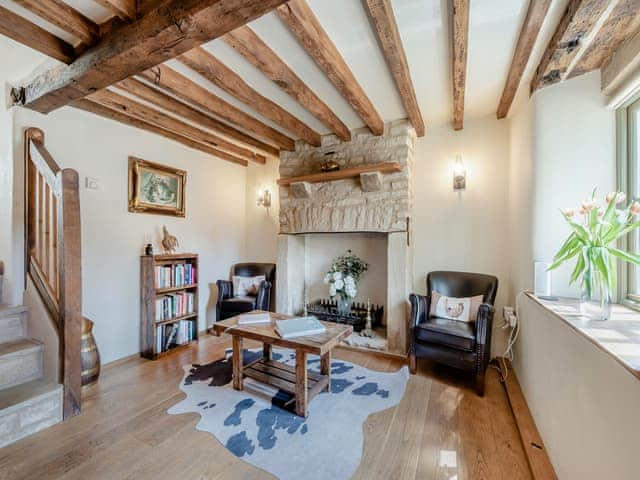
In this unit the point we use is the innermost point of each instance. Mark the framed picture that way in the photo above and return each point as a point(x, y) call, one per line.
point(155, 188)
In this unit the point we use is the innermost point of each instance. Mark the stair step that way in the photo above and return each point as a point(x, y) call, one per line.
point(28, 408)
point(20, 362)
point(13, 323)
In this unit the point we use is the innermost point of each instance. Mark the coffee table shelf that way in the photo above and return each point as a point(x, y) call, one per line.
point(283, 376)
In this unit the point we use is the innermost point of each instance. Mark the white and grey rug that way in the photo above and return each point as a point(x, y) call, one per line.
point(259, 428)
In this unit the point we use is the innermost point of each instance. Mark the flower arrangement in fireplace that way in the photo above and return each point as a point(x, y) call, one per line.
point(344, 275)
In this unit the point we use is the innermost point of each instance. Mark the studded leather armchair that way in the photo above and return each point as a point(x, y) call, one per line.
point(229, 305)
point(463, 345)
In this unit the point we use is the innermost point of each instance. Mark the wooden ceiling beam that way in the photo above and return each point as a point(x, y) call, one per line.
point(621, 65)
point(93, 107)
point(536, 13)
point(569, 38)
point(460, 41)
point(301, 21)
point(187, 90)
point(172, 28)
point(118, 102)
point(203, 62)
point(149, 94)
point(259, 54)
point(64, 17)
point(384, 22)
point(125, 9)
point(31, 35)
point(621, 24)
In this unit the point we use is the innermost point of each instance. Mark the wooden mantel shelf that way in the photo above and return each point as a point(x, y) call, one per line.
point(388, 167)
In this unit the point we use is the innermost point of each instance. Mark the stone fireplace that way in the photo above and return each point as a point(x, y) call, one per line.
point(367, 203)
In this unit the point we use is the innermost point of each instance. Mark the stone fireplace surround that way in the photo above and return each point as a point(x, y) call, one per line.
point(374, 202)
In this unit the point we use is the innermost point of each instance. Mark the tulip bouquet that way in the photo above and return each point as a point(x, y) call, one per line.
point(593, 242)
point(343, 277)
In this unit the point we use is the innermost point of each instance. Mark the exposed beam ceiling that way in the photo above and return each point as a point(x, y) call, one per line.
point(223, 77)
point(96, 108)
point(621, 24)
point(33, 36)
point(118, 102)
point(125, 9)
point(173, 28)
point(64, 17)
point(170, 104)
point(460, 40)
point(384, 23)
point(259, 54)
point(569, 38)
point(536, 14)
point(183, 88)
point(299, 18)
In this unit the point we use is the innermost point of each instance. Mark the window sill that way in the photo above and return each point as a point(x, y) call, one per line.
point(619, 336)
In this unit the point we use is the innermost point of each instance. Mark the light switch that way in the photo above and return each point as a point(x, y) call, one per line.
point(91, 183)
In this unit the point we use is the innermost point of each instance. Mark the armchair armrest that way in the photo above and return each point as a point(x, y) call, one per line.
point(264, 296)
point(484, 328)
point(225, 289)
point(420, 305)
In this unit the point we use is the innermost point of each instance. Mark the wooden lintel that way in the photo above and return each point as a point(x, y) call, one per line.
point(460, 42)
point(384, 23)
point(536, 14)
point(223, 77)
point(105, 112)
point(301, 21)
point(23, 31)
point(167, 31)
point(388, 167)
point(259, 54)
point(187, 90)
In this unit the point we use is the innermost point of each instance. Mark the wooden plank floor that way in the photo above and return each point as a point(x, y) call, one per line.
point(440, 430)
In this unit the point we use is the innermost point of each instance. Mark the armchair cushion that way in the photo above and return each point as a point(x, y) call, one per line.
point(452, 333)
point(238, 304)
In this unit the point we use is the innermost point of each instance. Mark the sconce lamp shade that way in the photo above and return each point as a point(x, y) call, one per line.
point(264, 199)
point(459, 175)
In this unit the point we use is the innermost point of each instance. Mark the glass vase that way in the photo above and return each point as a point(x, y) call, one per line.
point(595, 299)
point(344, 305)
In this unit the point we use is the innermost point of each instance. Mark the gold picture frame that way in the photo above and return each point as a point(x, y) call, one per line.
point(155, 188)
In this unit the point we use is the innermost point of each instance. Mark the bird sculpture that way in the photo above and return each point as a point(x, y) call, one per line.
point(169, 242)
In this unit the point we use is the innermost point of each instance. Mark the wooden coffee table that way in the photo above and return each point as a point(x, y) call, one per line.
point(298, 381)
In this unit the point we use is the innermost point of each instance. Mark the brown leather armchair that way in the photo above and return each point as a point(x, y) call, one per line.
point(463, 345)
point(229, 305)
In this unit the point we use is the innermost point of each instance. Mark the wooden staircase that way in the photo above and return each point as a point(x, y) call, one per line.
point(28, 402)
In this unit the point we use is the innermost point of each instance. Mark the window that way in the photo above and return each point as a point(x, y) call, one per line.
point(629, 181)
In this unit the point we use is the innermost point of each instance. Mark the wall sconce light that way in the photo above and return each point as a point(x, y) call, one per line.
point(459, 175)
point(264, 198)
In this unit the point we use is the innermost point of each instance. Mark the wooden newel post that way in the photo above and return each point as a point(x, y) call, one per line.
point(70, 281)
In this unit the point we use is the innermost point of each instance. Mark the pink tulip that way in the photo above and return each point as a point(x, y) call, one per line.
point(634, 209)
point(600, 212)
point(587, 206)
point(610, 196)
point(568, 212)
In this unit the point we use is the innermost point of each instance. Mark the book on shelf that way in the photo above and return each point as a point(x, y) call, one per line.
point(175, 305)
point(175, 276)
point(175, 334)
point(299, 327)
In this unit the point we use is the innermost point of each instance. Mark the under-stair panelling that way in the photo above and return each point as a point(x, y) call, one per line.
point(20, 362)
point(13, 323)
point(28, 408)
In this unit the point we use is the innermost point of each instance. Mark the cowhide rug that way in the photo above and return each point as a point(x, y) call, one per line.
point(256, 425)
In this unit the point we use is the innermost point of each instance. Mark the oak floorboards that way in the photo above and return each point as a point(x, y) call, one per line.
point(440, 430)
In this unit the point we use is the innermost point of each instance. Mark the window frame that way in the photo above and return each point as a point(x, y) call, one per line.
point(627, 170)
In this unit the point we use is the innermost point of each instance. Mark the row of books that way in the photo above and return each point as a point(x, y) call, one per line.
point(168, 276)
point(174, 334)
point(175, 305)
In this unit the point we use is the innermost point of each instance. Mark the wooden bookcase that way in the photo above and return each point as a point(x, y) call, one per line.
point(150, 327)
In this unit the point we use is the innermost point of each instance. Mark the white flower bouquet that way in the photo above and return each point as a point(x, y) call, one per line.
point(344, 275)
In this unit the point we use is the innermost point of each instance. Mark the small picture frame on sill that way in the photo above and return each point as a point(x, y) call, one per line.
point(156, 188)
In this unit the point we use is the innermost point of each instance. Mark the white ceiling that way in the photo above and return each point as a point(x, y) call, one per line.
point(424, 27)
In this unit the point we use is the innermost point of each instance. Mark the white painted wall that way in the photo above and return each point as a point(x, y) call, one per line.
point(262, 223)
point(112, 238)
point(465, 231)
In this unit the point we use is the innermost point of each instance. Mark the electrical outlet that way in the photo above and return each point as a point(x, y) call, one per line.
point(509, 315)
point(91, 183)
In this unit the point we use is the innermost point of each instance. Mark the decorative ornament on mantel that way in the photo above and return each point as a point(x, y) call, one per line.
point(592, 242)
point(169, 242)
point(343, 278)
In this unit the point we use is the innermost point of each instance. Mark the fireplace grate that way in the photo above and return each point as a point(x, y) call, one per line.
point(327, 310)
